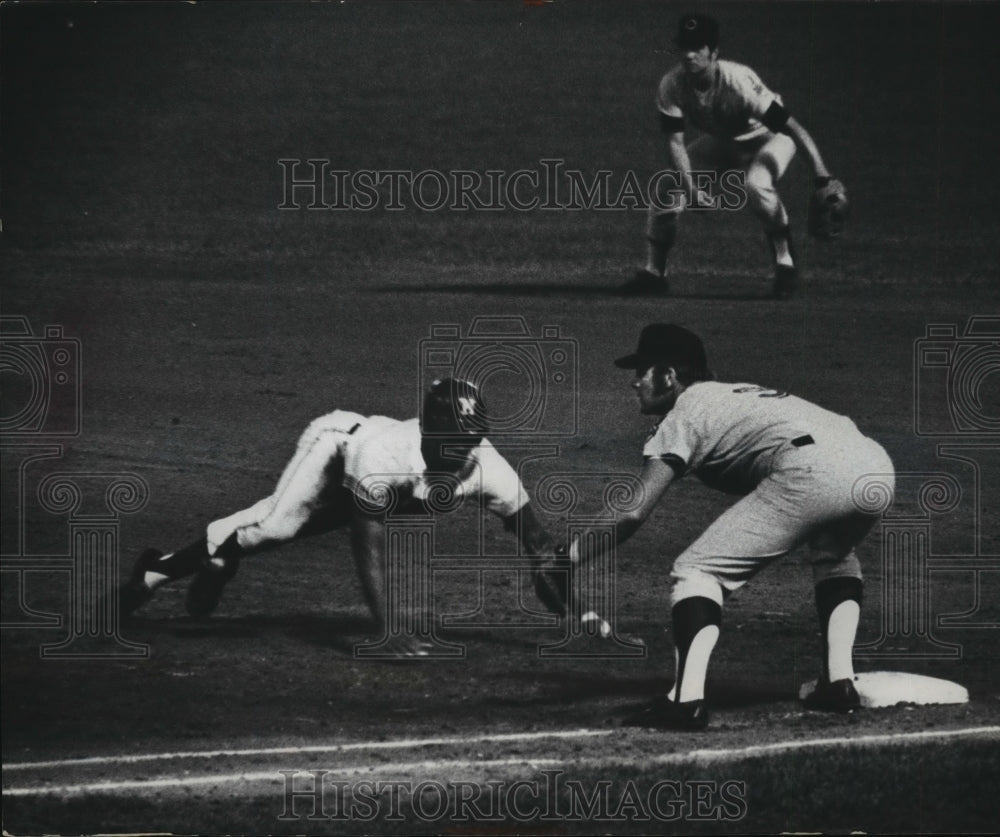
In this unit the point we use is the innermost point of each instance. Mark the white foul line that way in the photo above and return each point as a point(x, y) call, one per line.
point(401, 744)
point(270, 776)
point(274, 776)
point(818, 743)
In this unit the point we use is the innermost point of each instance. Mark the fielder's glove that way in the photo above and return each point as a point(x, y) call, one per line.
point(551, 580)
point(828, 209)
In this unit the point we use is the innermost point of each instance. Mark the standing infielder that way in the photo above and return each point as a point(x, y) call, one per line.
point(796, 465)
point(351, 470)
point(746, 129)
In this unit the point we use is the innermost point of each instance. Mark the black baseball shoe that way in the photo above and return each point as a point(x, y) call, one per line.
point(134, 593)
point(663, 713)
point(786, 281)
point(645, 283)
point(838, 696)
point(206, 587)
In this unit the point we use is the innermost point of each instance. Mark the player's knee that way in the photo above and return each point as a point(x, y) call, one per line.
point(688, 583)
point(761, 191)
point(833, 564)
point(278, 529)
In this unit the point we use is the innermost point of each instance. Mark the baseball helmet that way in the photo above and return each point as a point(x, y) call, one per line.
point(454, 415)
point(453, 407)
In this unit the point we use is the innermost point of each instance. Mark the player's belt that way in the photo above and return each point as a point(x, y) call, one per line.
point(802, 441)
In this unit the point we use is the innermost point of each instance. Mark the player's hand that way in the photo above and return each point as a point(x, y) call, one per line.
point(828, 209)
point(700, 199)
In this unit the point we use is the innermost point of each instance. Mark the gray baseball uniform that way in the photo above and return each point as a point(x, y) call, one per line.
point(797, 465)
point(729, 112)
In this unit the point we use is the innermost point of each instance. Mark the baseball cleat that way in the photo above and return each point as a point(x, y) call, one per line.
point(786, 281)
point(206, 587)
point(645, 283)
point(134, 593)
point(663, 713)
point(838, 696)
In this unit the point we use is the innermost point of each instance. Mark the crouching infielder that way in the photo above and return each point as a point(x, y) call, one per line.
point(797, 466)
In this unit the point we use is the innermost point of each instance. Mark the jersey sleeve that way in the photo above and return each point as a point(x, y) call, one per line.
point(501, 487)
point(674, 441)
point(755, 95)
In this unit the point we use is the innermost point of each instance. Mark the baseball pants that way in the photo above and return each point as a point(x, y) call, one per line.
point(809, 497)
point(763, 160)
point(309, 498)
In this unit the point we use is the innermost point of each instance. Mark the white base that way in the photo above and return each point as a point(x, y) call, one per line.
point(888, 688)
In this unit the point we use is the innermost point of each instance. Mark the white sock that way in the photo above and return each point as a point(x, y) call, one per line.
point(782, 252)
point(154, 579)
point(692, 685)
point(840, 633)
point(656, 259)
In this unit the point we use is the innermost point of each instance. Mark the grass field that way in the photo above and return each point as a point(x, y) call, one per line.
point(140, 192)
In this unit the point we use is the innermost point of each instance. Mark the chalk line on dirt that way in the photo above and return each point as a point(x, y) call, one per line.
point(385, 770)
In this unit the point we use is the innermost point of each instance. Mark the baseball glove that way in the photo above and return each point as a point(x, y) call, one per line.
point(828, 209)
point(551, 580)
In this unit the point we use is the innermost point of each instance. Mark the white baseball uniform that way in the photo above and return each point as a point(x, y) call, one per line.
point(797, 465)
point(345, 458)
point(729, 112)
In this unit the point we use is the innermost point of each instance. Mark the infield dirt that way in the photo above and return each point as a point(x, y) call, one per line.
point(141, 186)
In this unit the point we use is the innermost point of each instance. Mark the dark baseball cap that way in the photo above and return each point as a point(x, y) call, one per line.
point(696, 31)
point(667, 343)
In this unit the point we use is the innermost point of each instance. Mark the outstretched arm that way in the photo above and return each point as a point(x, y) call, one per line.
point(368, 545)
point(656, 476)
point(805, 143)
point(680, 160)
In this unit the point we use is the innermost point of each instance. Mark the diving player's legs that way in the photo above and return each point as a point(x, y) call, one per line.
point(308, 484)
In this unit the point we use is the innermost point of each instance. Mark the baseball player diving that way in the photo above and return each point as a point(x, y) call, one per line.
point(745, 129)
point(796, 466)
point(351, 470)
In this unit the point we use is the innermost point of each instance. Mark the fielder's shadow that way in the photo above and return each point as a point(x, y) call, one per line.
point(340, 632)
point(337, 631)
point(719, 694)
